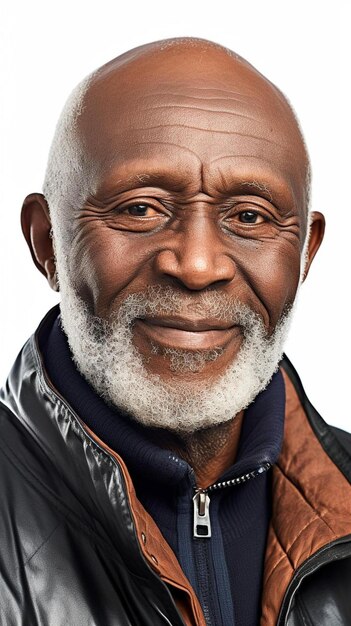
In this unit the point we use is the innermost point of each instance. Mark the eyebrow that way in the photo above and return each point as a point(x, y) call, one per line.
point(261, 187)
point(170, 181)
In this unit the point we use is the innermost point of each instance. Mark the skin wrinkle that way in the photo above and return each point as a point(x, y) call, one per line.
point(202, 178)
point(201, 98)
point(264, 313)
point(166, 143)
point(134, 179)
point(144, 259)
point(233, 133)
point(245, 100)
point(237, 97)
point(275, 194)
point(151, 191)
point(111, 259)
point(205, 110)
point(225, 132)
point(256, 294)
point(210, 110)
point(174, 209)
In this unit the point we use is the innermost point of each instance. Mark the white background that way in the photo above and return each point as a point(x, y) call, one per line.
point(301, 46)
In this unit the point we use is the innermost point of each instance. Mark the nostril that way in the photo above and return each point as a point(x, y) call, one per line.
point(166, 262)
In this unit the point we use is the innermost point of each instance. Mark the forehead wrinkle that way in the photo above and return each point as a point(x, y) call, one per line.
point(108, 163)
point(212, 130)
point(166, 143)
point(240, 156)
point(149, 173)
point(210, 89)
point(237, 98)
point(203, 110)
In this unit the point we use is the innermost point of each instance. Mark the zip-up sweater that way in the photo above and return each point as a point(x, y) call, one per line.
point(77, 546)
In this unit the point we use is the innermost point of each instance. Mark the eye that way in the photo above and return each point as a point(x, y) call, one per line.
point(250, 217)
point(141, 210)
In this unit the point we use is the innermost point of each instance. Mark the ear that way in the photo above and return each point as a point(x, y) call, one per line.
point(316, 238)
point(36, 227)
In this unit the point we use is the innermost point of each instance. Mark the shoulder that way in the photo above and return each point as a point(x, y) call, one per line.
point(335, 442)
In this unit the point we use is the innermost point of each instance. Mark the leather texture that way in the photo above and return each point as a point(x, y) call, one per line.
point(324, 598)
point(71, 552)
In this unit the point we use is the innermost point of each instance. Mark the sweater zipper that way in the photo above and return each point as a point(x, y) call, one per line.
point(201, 501)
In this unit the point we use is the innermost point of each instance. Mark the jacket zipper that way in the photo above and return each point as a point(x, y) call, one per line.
point(201, 501)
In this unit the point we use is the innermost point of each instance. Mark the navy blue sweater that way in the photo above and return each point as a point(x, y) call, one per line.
point(226, 570)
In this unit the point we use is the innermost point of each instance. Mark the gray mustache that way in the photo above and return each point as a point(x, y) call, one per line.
point(207, 305)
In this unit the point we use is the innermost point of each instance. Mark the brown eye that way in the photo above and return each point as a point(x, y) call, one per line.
point(250, 217)
point(138, 210)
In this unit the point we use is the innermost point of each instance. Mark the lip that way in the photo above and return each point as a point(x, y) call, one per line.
point(187, 334)
point(187, 323)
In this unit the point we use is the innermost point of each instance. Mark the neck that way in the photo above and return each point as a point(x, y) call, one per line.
point(210, 452)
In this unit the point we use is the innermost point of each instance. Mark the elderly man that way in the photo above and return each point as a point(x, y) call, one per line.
point(160, 461)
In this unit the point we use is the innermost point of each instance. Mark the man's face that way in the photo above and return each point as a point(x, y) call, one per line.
point(200, 187)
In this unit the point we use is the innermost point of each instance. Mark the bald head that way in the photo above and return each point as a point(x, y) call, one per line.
point(198, 100)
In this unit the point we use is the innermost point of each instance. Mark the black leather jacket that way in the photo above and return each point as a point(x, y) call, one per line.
point(69, 552)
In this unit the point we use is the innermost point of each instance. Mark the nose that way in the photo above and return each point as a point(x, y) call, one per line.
point(196, 257)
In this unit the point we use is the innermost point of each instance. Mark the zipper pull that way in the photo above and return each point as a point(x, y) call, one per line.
point(202, 522)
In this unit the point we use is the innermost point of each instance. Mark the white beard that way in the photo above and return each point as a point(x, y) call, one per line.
point(106, 356)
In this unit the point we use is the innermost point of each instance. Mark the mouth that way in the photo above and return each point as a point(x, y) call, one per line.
point(187, 334)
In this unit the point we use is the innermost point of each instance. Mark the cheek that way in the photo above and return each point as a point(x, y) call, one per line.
point(108, 266)
point(273, 273)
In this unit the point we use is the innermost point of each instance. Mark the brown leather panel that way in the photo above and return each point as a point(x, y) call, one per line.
point(279, 564)
point(156, 550)
point(311, 505)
